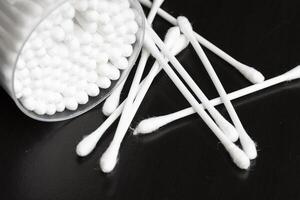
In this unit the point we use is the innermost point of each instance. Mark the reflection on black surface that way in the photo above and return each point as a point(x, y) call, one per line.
point(182, 160)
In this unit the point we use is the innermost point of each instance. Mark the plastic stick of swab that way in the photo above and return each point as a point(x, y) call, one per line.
point(112, 102)
point(248, 72)
point(154, 123)
point(87, 145)
point(247, 143)
point(110, 157)
point(237, 155)
point(225, 126)
point(161, 12)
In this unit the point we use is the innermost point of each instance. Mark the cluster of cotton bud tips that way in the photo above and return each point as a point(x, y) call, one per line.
point(79, 49)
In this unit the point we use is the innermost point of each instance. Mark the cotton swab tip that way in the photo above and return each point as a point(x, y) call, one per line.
point(239, 157)
point(180, 44)
point(110, 106)
point(173, 32)
point(152, 124)
point(258, 77)
point(229, 130)
point(253, 75)
point(250, 148)
point(146, 126)
point(185, 25)
point(86, 146)
point(112, 102)
point(108, 161)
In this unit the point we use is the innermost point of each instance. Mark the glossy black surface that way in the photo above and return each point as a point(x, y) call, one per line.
point(183, 160)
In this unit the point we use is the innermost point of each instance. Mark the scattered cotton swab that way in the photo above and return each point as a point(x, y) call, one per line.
point(247, 143)
point(250, 73)
point(112, 102)
point(110, 156)
point(225, 126)
point(178, 43)
point(237, 155)
point(86, 146)
point(154, 123)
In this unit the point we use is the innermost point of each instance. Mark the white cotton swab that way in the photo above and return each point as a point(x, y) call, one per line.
point(86, 146)
point(88, 143)
point(175, 43)
point(153, 11)
point(112, 102)
point(237, 155)
point(161, 12)
point(109, 158)
point(247, 143)
point(148, 81)
point(248, 72)
point(145, 85)
point(225, 126)
point(154, 123)
point(179, 42)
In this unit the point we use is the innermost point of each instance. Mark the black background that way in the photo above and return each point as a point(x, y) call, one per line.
point(183, 160)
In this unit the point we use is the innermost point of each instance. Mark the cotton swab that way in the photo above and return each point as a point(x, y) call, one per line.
point(138, 100)
point(87, 145)
point(153, 12)
point(154, 123)
point(249, 73)
point(237, 155)
point(225, 126)
point(112, 102)
point(175, 43)
point(247, 143)
point(179, 42)
point(161, 12)
point(110, 156)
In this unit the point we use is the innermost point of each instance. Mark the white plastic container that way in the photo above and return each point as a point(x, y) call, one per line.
point(18, 20)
